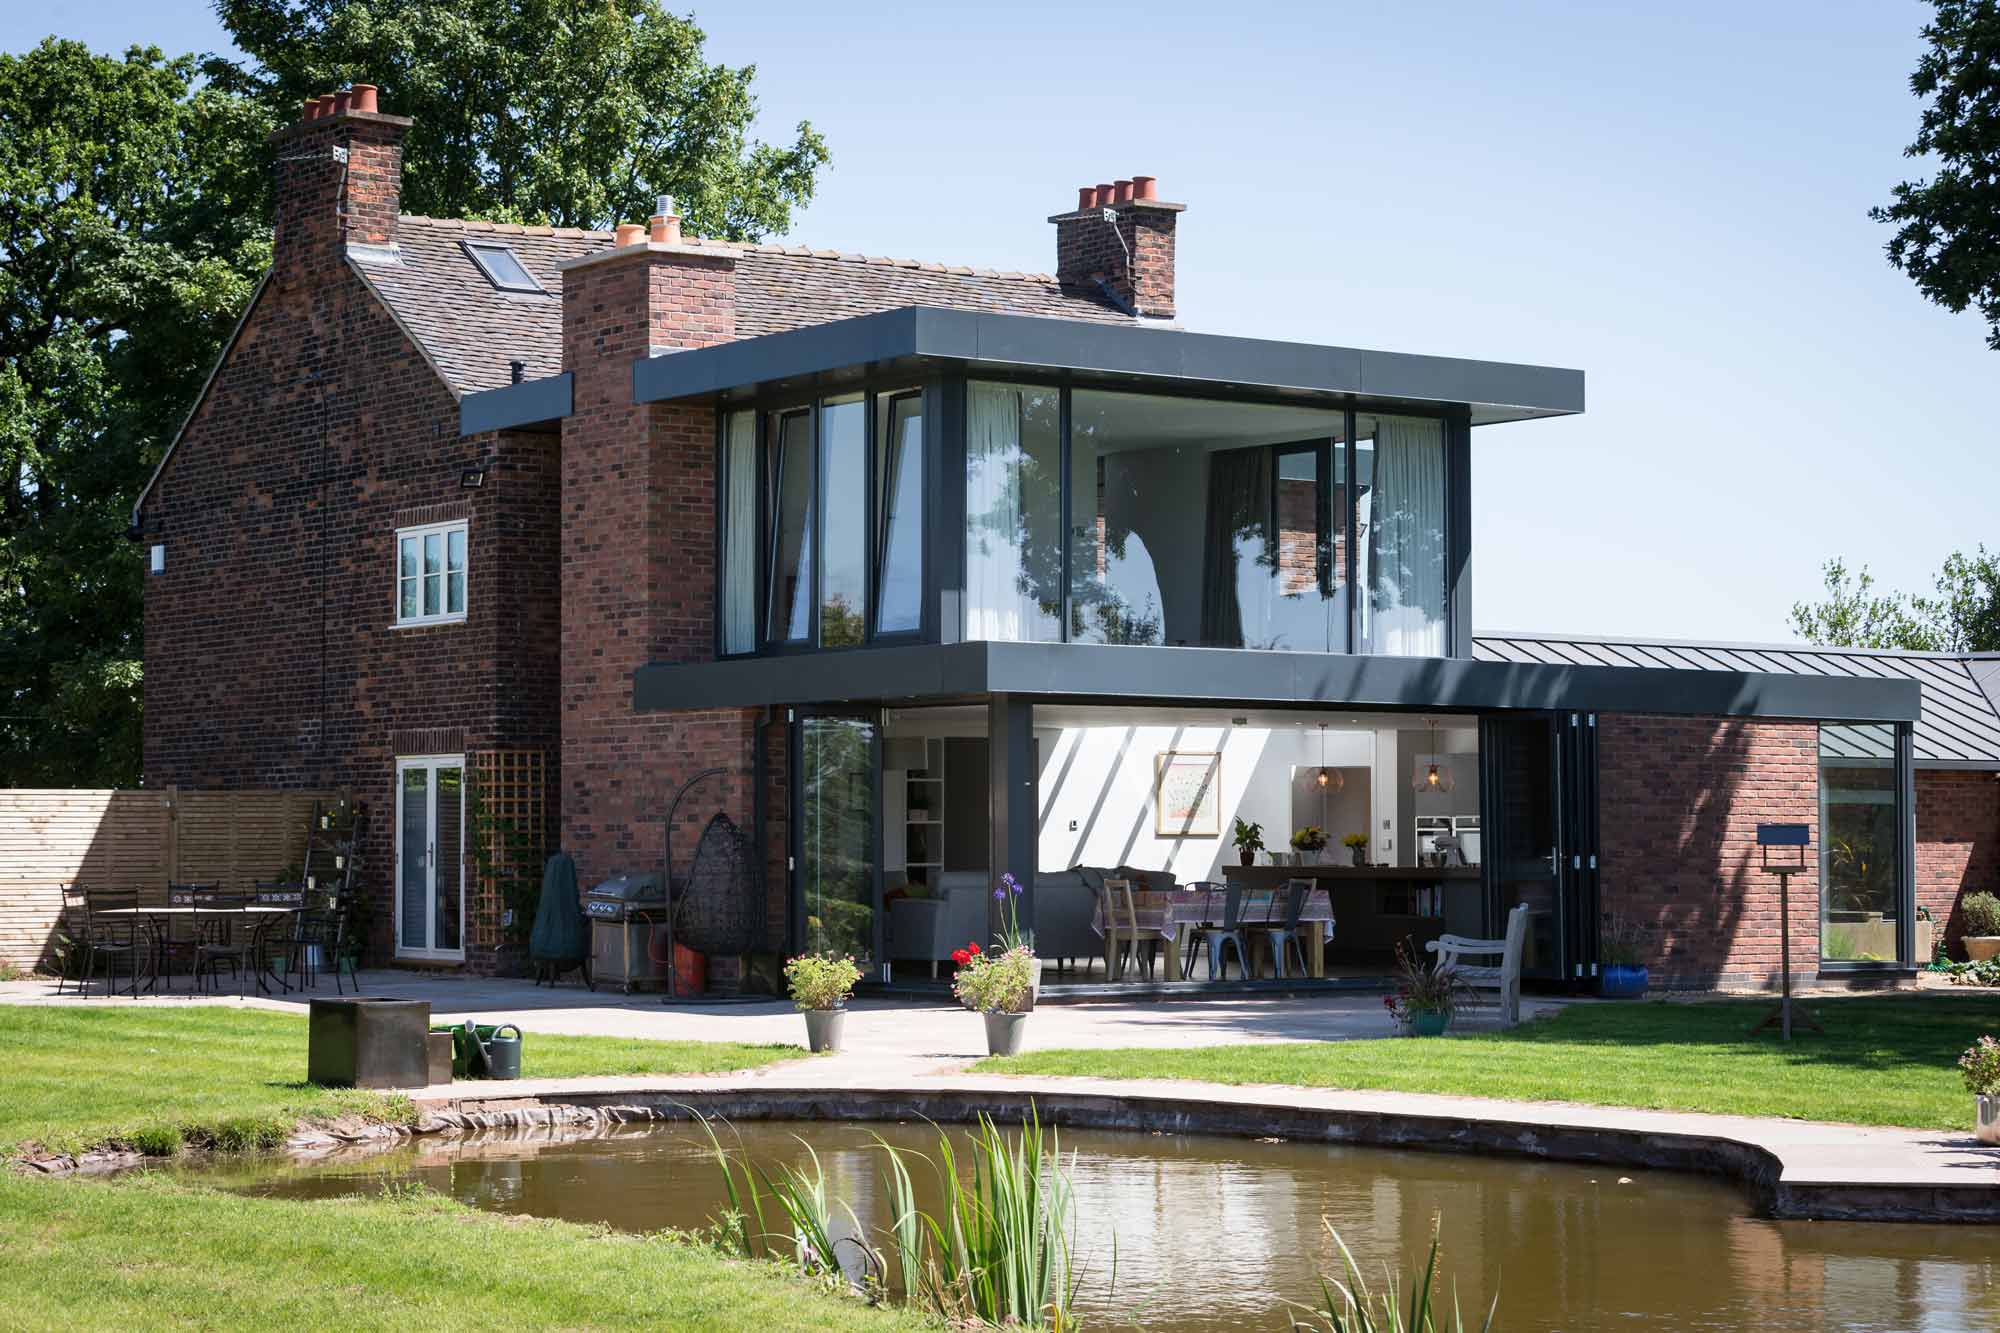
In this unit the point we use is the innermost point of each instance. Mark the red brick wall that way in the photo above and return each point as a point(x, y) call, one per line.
point(1958, 843)
point(638, 568)
point(1680, 799)
point(271, 660)
point(1087, 247)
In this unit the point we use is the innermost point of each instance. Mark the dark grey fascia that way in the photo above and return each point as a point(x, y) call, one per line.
point(938, 672)
point(1125, 355)
point(531, 405)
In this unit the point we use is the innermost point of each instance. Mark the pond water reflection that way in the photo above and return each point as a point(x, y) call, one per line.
point(1217, 1233)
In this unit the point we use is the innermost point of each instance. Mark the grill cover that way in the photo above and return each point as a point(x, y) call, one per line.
point(723, 912)
point(559, 936)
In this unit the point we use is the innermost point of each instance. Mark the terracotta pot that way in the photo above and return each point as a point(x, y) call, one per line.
point(363, 98)
point(628, 233)
point(1979, 948)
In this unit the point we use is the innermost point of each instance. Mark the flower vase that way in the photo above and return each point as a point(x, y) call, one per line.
point(1004, 1032)
point(1358, 853)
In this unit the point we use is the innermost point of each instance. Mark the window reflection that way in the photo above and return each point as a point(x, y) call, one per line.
point(1013, 513)
point(899, 472)
point(1860, 844)
point(843, 456)
point(791, 490)
point(1400, 520)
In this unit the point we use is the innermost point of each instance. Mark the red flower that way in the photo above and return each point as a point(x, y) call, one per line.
point(973, 949)
point(961, 957)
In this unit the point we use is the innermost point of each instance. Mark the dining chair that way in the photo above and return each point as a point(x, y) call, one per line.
point(75, 934)
point(1228, 933)
point(221, 935)
point(174, 944)
point(114, 934)
point(1142, 953)
point(1283, 936)
point(315, 941)
point(1198, 931)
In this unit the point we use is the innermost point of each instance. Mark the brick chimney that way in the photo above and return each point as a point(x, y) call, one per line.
point(1119, 242)
point(339, 178)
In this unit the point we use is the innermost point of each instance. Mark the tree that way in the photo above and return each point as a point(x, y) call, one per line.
point(1948, 228)
point(574, 113)
point(132, 231)
point(1964, 616)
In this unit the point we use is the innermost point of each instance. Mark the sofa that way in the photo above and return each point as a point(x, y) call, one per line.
point(928, 929)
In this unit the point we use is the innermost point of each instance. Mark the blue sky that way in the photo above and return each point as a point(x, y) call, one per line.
point(1674, 201)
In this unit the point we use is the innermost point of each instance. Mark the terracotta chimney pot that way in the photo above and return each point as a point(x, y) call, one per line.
point(1106, 192)
point(325, 105)
point(341, 101)
point(628, 233)
point(364, 99)
point(1086, 197)
point(1145, 187)
point(1124, 189)
point(309, 109)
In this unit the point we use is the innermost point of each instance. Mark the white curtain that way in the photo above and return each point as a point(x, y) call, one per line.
point(739, 551)
point(1406, 544)
point(997, 602)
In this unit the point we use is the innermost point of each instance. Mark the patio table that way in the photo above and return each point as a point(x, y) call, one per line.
point(164, 918)
point(1168, 912)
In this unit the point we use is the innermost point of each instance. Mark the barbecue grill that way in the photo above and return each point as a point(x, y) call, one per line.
point(624, 913)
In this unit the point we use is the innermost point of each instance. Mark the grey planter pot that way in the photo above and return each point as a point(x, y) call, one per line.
point(823, 1029)
point(1986, 1118)
point(1004, 1033)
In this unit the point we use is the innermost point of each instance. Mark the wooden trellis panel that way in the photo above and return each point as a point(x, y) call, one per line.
point(510, 789)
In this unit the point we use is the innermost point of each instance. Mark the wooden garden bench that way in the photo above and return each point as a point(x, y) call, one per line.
point(1502, 981)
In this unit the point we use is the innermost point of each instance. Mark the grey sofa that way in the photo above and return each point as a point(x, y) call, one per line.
point(926, 930)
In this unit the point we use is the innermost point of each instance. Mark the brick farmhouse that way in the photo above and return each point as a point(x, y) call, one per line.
point(951, 572)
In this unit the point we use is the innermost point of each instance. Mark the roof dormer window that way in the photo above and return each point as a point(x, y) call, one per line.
point(502, 267)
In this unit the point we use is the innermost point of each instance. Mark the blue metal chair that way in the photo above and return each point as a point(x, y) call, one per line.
point(1228, 933)
point(1284, 937)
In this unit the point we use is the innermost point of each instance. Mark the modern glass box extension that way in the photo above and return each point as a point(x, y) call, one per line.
point(938, 500)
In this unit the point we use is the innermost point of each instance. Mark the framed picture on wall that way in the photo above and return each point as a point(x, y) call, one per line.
point(1187, 794)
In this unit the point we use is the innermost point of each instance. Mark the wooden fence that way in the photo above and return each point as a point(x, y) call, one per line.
point(134, 840)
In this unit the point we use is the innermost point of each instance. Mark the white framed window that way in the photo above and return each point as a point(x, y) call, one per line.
point(430, 573)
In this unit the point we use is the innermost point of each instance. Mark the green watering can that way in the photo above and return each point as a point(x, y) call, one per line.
point(484, 1053)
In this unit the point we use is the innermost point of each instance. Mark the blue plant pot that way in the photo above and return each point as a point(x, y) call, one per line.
point(1429, 1023)
point(1618, 982)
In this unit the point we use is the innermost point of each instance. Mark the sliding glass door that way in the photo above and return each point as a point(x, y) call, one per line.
point(836, 881)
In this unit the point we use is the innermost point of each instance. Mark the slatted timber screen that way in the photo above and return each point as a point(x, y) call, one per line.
point(138, 840)
point(510, 834)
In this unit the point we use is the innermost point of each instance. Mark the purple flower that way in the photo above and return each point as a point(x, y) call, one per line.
point(999, 895)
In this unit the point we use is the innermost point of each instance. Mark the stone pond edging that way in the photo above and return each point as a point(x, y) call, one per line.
point(1793, 1169)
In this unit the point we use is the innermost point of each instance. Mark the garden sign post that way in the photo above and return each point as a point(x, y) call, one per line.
point(1790, 842)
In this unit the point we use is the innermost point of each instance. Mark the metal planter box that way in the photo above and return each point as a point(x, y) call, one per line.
point(368, 1042)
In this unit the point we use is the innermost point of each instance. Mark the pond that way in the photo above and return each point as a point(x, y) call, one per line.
point(1218, 1233)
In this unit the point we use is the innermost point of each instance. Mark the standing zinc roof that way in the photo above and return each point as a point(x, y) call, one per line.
point(1959, 725)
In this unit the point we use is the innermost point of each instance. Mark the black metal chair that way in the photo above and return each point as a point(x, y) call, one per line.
point(1197, 935)
point(114, 933)
point(222, 935)
point(75, 934)
point(1228, 933)
point(1284, 936)
point(318, 939)
point(174, 944)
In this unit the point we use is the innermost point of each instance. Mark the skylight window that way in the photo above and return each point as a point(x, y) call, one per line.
point(502, 267)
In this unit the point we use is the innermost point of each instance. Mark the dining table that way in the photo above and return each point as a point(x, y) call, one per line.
point(164, 918)
point(1175, 914)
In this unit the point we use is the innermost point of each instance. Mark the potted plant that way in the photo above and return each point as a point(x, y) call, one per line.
point(1621, 973)
point(999, 987)
point(1982, 926)
point(1981, 1066)
point(1426, 996)
point(820, 985)
point(1309, 841)
point(1011, 937)
point(1249, 841)
point(1357, 847)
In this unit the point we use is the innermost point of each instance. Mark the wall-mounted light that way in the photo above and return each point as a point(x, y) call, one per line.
point(473, 475)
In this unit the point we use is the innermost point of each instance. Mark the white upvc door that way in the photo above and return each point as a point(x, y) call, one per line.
point(430, 861)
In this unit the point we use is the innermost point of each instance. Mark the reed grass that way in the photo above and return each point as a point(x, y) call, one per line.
point(1348, 1305)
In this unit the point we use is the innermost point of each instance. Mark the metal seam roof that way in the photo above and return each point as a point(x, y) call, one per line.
point(1960, 719)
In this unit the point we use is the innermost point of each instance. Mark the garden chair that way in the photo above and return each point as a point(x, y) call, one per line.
point(174, 939)
point(318, 939)
point(110, 941)
point(1191, 945)
point(1502, 980)
point(223, 935)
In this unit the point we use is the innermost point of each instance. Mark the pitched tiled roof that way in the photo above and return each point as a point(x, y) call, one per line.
point(1959, 717)
point(471, 330)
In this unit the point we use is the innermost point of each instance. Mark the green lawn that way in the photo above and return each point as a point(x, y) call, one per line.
point(146, 1254)
point(157, 1079)
point(1885, 1060)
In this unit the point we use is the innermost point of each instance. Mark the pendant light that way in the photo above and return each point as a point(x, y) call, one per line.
point(1329, 779)
point(1430, 773)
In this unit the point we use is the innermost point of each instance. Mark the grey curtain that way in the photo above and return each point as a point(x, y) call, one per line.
point(1239, 514)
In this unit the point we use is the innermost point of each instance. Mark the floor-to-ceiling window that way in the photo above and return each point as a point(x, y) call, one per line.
point(1095, 516)
point(1860, 844)
point(835, 871)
